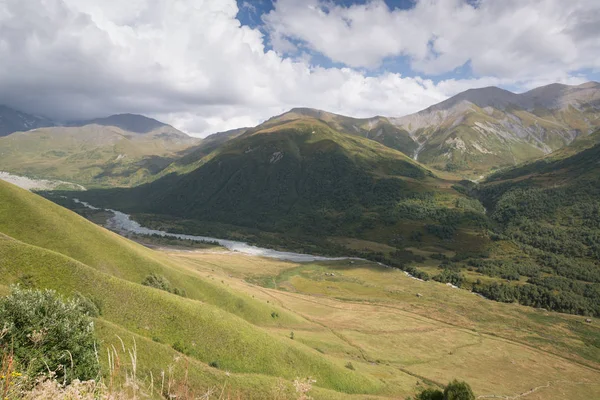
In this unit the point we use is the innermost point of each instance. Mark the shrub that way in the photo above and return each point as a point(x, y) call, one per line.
point(350, 366)
point(214, 364)
point(180, 347)
point(162, 283)
point(158, 282)
point(180, 292)
point(430, 394)
point(457, 390)
point(88, 306)
point(45, 332)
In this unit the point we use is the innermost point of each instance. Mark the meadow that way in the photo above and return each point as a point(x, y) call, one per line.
point(248, 327)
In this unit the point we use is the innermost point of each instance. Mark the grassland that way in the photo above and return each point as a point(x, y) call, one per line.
point(372, 317)
point(92, 155)
point(240, 312)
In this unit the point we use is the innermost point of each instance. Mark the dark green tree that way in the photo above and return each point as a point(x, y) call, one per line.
point(457, 390)
point(430, 394)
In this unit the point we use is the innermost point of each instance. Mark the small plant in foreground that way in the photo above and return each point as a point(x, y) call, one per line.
point(48, 335)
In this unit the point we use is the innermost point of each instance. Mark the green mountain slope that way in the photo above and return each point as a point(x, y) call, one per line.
point(551, 209)
point(302, 179)
point(378, 128)
point(50, 247)
point(95, 154)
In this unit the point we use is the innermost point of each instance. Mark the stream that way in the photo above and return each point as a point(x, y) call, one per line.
point(123, 223)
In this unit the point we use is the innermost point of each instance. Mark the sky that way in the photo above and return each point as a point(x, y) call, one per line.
point(206, 66)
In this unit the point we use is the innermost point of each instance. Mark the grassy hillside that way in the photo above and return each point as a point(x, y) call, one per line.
point(378, 129)
point(92, 155)
point(204, 325)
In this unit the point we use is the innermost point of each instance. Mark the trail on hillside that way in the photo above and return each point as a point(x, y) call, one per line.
point(533, 390)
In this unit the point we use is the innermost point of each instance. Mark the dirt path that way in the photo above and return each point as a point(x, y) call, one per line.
point(533, 390)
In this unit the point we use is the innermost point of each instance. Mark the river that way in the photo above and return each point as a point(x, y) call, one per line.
point(123, 223)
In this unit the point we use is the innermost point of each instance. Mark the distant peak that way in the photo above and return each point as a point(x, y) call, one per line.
point(130, 122)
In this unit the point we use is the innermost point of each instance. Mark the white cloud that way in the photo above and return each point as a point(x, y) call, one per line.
point(515, 39)
point(188, 63)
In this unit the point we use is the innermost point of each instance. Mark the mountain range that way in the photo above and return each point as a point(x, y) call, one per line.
point(471, 134)
point(483, 129)
point(124, 149)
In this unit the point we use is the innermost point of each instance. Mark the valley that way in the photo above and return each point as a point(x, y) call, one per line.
point(358, 329)
point(351, 258)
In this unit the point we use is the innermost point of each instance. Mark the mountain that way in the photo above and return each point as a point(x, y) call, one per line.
point(484, 129)
point(298, 182)
point(378, 128)
point(17, 121)
point(128, 122)
point(118, 150)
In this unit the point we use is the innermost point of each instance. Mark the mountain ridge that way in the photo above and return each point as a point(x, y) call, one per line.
point(484, 129)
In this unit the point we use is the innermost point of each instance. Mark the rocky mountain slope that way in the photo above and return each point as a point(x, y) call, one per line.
point(482, 129)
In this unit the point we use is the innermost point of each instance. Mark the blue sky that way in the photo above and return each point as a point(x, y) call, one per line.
point(251, 14)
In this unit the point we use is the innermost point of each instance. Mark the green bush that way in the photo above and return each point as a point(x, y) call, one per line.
point(88, 306)
point(457, 390)
point(181, 347)
point(430, 394)
point(158, 282)
point(47, 333)
point(162, 283)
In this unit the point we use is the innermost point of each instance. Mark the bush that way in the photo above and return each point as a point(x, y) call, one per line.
point(350, 366)
point(158, 282)
point(458, 391)
point(46, 332)
point(430, 394)
point(454, 391)
point(162, 283)
point(88, 306)
point(181, 347)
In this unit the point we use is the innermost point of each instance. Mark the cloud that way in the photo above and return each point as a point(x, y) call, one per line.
point(507, 39)
point(188, 63)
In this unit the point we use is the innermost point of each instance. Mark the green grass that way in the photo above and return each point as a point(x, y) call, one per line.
point(206, 322)
point(364, 314)
point(92, 155)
